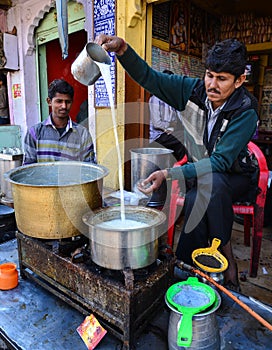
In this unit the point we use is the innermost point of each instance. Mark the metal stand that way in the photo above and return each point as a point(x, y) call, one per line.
point(124, 308)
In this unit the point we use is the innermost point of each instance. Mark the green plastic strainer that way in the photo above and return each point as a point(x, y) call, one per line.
point(189, 298)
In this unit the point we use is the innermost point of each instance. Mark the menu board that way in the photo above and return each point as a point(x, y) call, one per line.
point(104, 22)
point(160, 21)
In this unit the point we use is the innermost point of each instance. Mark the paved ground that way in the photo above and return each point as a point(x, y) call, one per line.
point(261, 286)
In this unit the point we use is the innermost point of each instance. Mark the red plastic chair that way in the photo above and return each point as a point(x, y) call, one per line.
point(253, 213)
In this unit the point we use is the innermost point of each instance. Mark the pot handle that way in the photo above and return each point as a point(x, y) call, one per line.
point(215, 245)
point(185, 330)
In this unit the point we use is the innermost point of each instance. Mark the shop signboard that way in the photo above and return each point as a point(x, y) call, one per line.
point(104, 22)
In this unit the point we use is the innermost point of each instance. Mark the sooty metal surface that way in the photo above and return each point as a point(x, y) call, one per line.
point(123, 301)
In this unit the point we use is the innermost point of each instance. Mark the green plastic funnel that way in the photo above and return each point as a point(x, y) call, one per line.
point(189, 298)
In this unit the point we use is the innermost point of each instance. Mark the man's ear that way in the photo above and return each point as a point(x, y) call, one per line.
point(239, 81)
point(48, 101)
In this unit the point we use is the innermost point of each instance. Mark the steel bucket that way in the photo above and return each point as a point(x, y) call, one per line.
point(84, 68)
point(131, 247)
point(145, 161)
point(50, 198)
point(206, 333)
point(6, 165)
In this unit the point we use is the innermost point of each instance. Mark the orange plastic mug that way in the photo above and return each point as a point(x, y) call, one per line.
point(8, 276)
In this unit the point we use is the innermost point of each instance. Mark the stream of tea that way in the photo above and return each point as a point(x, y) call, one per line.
point(105, 71)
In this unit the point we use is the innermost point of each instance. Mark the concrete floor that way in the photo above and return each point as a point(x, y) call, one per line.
point(260, 287)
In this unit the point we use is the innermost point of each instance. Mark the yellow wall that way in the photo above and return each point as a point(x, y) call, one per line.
point(130, 25)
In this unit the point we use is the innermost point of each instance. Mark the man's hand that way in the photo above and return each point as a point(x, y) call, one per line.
point(155, 179)
point(111, 43)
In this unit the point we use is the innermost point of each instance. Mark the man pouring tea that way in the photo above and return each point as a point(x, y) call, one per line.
point(219, 118)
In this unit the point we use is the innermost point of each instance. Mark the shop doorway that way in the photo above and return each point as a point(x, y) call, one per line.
point(49, 56)
point(57, 68)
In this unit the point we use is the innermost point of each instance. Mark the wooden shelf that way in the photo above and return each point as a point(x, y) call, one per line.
point(11, 156)
point(262, 141)
point(163, 45)
point(259, 47)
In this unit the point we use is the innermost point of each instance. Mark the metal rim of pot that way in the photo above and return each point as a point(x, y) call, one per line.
point(11, 173)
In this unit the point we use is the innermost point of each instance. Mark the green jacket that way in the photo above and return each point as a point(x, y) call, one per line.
point(188, 95)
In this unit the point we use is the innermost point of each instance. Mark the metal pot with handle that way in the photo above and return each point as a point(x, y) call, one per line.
point(132, 244)
point(50, 198)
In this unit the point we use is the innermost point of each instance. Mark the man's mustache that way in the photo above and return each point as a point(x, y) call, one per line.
point(214, 91)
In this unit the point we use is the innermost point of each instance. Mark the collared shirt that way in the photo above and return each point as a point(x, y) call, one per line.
point(162, 117)
point(69, 125)
point(212, 115)
point(43, 143)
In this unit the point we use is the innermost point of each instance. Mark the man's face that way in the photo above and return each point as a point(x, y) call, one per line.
point(60, 105)
point(219, 86)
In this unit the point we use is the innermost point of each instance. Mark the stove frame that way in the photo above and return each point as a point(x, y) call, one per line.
point(124, 308)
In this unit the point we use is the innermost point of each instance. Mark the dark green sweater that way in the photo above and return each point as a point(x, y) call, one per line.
point(188, 95)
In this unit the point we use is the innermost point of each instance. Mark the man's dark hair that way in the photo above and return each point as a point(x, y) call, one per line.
point(167, 71)
point(228, 56)
point(61, 86)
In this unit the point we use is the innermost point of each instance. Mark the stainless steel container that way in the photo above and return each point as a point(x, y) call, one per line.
point(206, 333)
point(131, 247)
point(8, 162)
point(216, 276)
point(7, 223)
point(50, 198)
point(145, 161)
point(85, 68)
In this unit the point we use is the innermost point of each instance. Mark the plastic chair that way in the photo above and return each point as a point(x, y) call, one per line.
point(253, 213)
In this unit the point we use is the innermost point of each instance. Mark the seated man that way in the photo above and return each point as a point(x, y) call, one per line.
point(219, 117)
point(58, 138)
point(165, 126)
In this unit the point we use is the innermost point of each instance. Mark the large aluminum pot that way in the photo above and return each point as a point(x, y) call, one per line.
point(115, 247)
point(50, 198)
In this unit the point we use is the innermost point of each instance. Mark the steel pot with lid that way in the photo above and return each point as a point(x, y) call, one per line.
point(50, 198)
point(130, 244)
